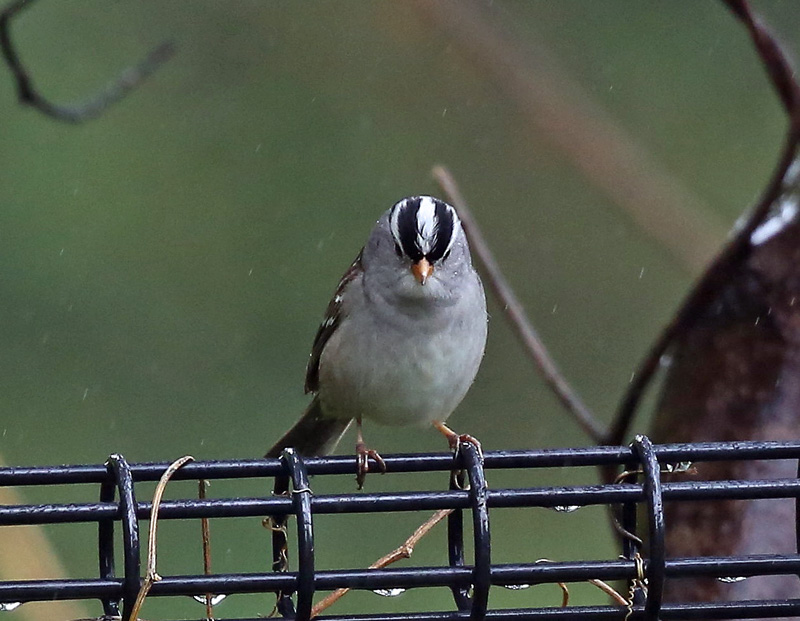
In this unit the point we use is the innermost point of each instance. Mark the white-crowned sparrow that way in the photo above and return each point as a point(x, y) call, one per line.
point(403, 336)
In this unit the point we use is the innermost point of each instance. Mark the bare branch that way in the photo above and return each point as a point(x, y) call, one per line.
point(27, 93)
point(152, 576)
point(403, 551)
point(738, 247)
point(775, 60)
point(515, 313)
point(205, 529)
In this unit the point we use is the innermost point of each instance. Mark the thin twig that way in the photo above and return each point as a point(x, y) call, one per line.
point(608, 589)
point(206, 536)
point(113, 92)
point(515, 313)
point(738, 247)
point(562, 585)
point(399, 553)
point(151, 575)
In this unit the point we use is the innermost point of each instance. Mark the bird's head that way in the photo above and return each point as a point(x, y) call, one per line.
point(424, 230)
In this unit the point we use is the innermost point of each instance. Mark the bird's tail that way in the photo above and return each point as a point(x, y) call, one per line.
point(313, 434)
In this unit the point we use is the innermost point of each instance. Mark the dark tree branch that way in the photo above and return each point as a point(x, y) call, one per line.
point(775, 60)
point(738, 247)
point(127, 81)
point(515, 313)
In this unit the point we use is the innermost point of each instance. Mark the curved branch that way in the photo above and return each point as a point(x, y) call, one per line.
point(27, 94)
point(775, 60)
point(738, 247)
point(515, 313)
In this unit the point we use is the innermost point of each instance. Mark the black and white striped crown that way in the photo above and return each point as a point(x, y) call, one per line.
point(423, 226)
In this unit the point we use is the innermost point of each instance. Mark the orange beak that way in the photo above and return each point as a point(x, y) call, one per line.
point(422, 269)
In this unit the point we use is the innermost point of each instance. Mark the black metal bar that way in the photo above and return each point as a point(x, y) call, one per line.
point(655, 522)
point(406, 501)
point(130, 533)
point(748, 609)
point(405, 578)
point(629, 533)
point(478, 492)
point(457, 577)
point(105, 542)
point(455, 543)
point(797, 517)
point(434, 462)
point(280, 546)
point(301, 501)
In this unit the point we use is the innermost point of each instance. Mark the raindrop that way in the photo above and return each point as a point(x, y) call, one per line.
point(516, 587)
point(565, 508)
point(680, 467)
point(389, 592)
point(215, 599)
point(732, 579)
point(9, 606)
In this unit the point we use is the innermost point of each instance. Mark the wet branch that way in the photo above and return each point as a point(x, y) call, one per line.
point(738, 247)
point(401, 552)
point(515, 312)
point(116, 90)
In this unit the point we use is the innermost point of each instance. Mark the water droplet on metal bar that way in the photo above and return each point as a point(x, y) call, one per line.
point(516, 587)
point(389, 592)
point(215, 599)
point(9, 606)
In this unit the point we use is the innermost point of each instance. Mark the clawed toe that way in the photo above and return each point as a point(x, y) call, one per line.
point(457, 441)
point(363, 455)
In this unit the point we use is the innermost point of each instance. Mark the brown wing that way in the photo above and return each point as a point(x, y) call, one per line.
point(328, 325)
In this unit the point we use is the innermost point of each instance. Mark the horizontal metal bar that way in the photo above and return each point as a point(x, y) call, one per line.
point(717, 610)
point(407, 501)
point(542, 458)
point(404, 578)
point(749, 609)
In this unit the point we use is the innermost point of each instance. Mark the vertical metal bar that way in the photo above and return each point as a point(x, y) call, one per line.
point(455, 542)
point(280, 548)
point(478, 492)
point(105, 541)
point(131, 582)
point(630, 547)
point(655, 568)
point(797, 516)
point(301, 503)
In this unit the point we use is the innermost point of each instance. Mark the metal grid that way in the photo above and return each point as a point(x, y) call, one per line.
point(470, 580)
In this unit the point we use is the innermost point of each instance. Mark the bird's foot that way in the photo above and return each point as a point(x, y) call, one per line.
point(363, 455)
point(456, 440)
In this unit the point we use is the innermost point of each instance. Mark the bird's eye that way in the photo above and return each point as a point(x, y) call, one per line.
point(398, 249)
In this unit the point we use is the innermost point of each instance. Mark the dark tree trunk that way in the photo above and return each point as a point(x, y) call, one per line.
point(735, 375)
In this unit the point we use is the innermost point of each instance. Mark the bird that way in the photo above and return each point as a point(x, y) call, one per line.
point(402, 338)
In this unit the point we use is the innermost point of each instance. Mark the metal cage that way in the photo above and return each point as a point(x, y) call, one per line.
point(470, 580)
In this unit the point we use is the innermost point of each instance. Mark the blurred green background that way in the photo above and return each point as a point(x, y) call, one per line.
point(164, 268)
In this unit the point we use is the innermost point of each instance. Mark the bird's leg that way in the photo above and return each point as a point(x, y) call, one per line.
point(362, 457)
point(456, 440)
